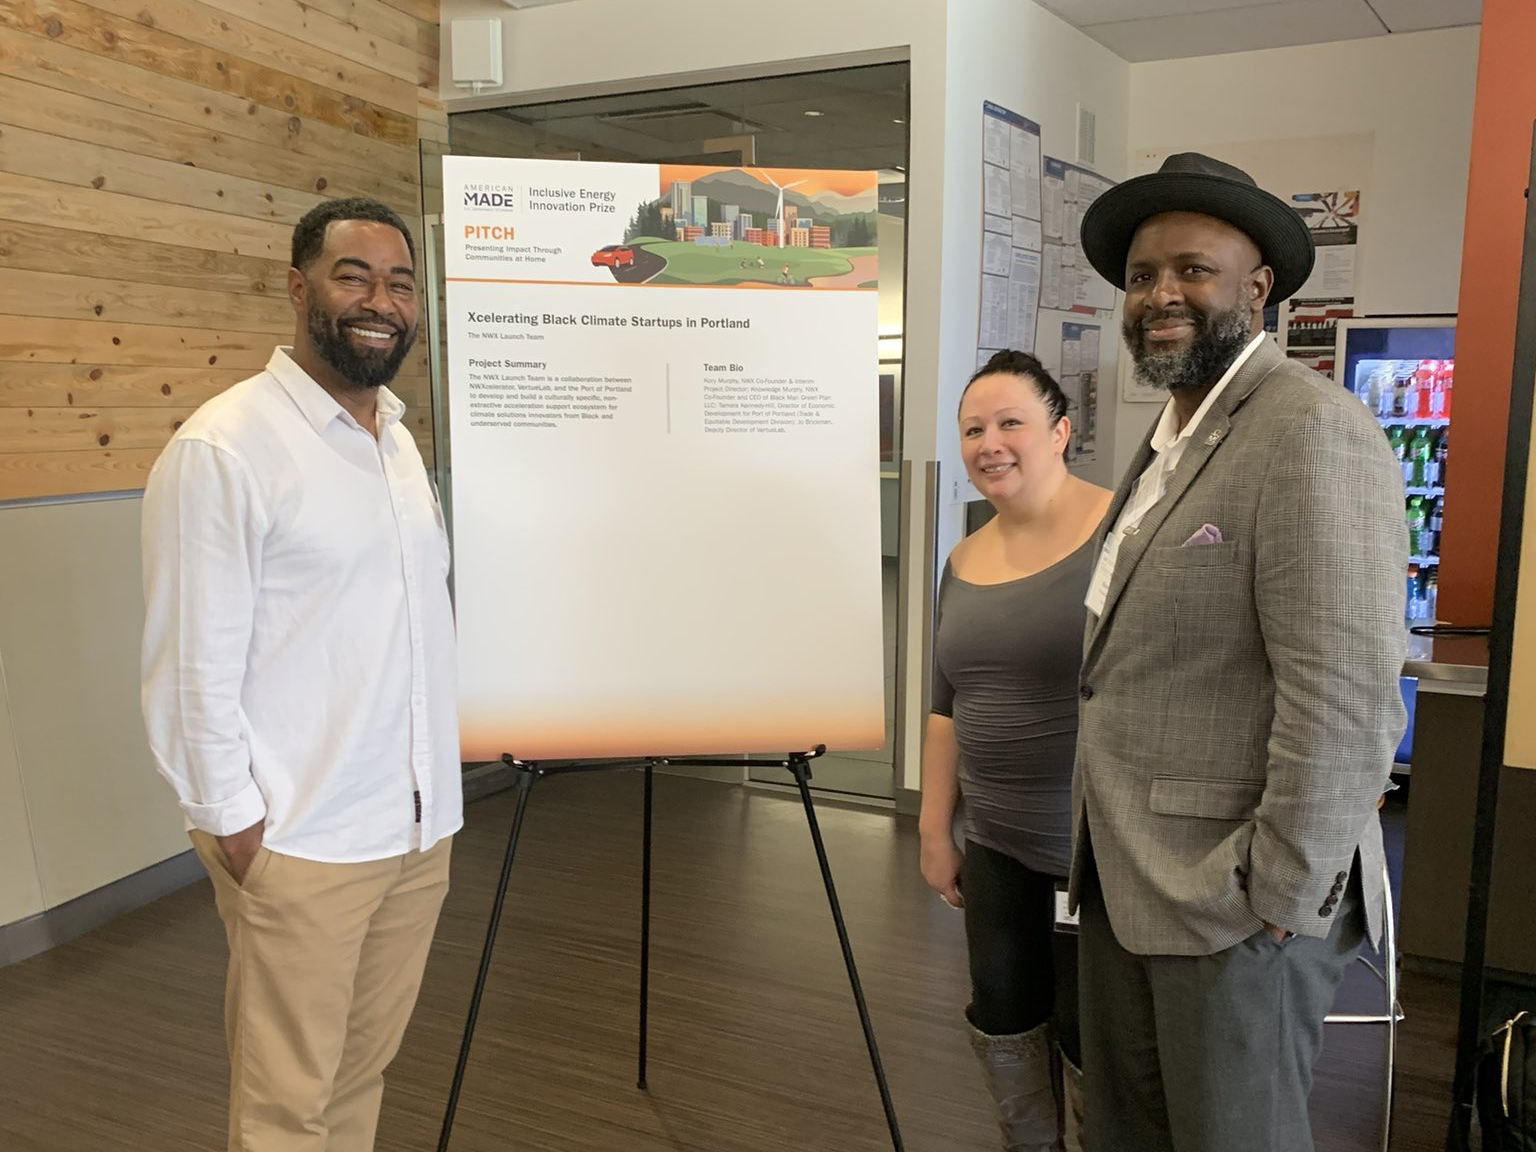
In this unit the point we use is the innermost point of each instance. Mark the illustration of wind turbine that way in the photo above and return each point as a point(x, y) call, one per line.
point(779, 208)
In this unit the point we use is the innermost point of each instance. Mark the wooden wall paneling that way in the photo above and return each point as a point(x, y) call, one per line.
point(416, 391)
point(432, 122)
point(54, 65)
point(428, 45)
point(227, 32)
point(84, 387)
point(383, 23)
point(145, 46)
point(154, 155)
point(30, 340)
point(92, 210)
point(427, 11)
point(82, 429)
point(415, 366)
point(63, 297)
point(57, 112)
point(28, 475)
point(348, 40)
point(40, 248)
point(37, 154)
point(111, 385)
point(424, 445)
point(429, 56)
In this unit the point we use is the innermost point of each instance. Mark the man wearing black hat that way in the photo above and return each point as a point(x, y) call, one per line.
point(1240, 704)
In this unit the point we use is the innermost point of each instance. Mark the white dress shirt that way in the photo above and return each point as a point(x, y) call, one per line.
point(1168, 444)
point(298, 663)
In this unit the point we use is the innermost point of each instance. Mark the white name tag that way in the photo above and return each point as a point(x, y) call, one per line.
point(1103, 571)
point(1065, 921)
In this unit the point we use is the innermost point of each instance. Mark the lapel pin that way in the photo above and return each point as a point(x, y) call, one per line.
point(1214, 436)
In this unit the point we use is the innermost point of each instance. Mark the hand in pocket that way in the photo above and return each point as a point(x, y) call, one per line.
point(240, 849)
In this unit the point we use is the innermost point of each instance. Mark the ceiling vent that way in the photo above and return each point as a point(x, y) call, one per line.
point(1087, 136)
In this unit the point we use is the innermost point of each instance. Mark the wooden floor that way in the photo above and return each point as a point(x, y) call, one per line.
point(113, 1041)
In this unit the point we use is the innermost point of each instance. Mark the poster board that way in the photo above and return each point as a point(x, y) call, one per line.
point(663, 395)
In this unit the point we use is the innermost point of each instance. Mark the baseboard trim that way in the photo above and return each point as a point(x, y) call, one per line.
point(34, 935)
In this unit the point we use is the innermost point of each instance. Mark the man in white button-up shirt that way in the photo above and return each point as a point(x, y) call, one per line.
point(298, 688)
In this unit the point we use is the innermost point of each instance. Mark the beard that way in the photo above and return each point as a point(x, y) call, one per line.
point(1218, 338)
point(361, 367)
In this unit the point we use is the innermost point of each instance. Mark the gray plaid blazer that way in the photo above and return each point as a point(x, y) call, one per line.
point(1240, 702)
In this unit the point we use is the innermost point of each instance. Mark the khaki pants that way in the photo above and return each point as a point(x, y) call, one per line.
point(325, 961)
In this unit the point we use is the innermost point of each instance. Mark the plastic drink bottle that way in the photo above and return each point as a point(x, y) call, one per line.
point(1397, 442)
point(1419, 457)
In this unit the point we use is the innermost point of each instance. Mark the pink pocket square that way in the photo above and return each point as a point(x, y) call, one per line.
point(1208, 534)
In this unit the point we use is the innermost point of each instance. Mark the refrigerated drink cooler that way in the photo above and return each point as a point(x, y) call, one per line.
point(1403, 369)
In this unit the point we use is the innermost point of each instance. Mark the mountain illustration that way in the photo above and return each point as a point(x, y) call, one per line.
point(760, 198)
point(837, 202)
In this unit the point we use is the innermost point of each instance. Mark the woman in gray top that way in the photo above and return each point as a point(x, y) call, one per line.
point(1003, 731)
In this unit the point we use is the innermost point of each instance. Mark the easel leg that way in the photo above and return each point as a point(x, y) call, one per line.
point(645, 927)
point(525, 781)
point(802, 771)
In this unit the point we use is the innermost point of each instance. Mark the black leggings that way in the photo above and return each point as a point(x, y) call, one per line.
point(1023, 972)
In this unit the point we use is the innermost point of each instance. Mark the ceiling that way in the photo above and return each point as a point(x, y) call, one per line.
point(1140, 30)
point(858, 121)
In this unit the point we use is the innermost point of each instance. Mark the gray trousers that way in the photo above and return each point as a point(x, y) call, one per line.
point(1206, 1053)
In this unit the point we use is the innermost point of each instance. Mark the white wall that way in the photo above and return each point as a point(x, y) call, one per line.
point(1033, 63)
point(629, 45)
point(1392, 114)
point(75, 768)
point(21, 892)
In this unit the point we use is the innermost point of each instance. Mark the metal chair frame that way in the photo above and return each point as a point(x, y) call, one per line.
point(1394, 1014)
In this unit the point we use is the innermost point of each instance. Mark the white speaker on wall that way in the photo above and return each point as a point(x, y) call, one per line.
point(476, 53)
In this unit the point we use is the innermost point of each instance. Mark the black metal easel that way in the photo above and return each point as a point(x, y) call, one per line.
point(528, 773)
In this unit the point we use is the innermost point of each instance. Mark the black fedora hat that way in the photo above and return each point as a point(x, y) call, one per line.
point(1190, 182)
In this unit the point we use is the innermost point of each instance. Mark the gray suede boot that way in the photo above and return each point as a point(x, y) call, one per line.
point(1022, 1074)
point(1072, 1085)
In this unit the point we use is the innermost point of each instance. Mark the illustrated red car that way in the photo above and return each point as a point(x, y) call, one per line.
point(614, 256)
